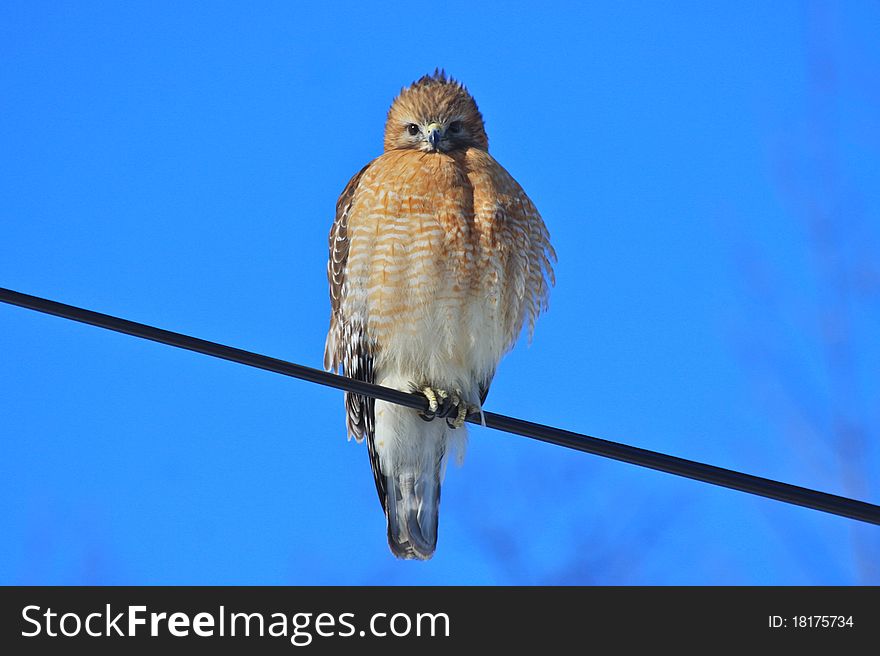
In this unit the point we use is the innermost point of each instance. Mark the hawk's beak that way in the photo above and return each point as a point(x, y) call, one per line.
point(434, 134)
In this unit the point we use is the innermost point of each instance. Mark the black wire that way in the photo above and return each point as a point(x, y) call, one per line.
point(801, 496)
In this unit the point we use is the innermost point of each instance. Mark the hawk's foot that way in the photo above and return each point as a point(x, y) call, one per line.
point(446, 404)
point(436, 400)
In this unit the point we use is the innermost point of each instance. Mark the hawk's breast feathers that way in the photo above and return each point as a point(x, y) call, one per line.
point(443, 249)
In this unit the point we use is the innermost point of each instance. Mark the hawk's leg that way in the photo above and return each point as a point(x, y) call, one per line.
point(446, 404)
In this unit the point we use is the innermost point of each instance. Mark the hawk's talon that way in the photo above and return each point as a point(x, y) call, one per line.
point(450, 402)
point(448, 405)
point(464, 411)
point(433, 405)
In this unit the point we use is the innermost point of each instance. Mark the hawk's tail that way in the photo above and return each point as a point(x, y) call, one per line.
point(408, 457)
point(412, 504)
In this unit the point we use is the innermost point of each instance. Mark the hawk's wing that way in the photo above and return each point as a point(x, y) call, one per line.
point(334, 353)
point(347, 349)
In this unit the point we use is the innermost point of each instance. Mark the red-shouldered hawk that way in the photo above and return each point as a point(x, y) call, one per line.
point(437, 259)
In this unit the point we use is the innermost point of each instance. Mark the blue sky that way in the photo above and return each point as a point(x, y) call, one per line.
point(709, 173)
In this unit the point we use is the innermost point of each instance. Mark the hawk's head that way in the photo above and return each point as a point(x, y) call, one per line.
point(435, 114)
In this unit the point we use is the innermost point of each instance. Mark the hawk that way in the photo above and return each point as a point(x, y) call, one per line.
point(438, 258)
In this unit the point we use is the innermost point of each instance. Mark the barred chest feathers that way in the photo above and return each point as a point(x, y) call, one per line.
point(429, 268)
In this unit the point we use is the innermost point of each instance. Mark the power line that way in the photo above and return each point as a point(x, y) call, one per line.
point(793, 494)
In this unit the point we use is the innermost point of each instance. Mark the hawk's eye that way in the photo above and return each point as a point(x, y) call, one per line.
point(413, 129)
point(455, 127)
